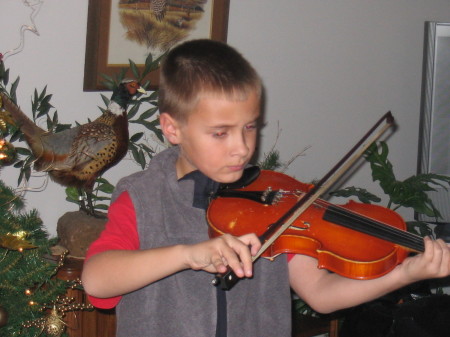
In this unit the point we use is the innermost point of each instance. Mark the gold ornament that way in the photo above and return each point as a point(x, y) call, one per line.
point(21, 234)
point(16, 241)
point(54, 325)
point(7, 152)
point(5, 119)
point(3, 125)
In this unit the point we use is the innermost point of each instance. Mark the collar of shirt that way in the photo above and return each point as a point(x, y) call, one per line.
point(204, 188)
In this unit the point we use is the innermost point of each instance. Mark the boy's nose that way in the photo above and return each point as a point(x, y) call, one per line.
point(241, 146)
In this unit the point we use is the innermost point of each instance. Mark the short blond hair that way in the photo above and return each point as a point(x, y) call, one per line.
point(200, 68)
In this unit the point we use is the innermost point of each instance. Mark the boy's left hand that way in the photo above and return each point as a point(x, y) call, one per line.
point(433, 263)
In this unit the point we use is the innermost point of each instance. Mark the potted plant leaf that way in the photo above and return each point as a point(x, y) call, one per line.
point(417, 310)
point(409, 193)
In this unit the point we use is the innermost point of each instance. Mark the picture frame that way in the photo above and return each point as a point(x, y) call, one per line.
point(109, 49)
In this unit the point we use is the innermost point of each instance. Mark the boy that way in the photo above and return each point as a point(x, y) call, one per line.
point(155, 260)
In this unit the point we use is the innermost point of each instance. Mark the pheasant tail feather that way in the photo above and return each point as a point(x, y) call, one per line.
point(27, 126)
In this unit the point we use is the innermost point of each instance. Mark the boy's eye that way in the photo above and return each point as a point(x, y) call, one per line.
point(219, 134)
point(251, 126)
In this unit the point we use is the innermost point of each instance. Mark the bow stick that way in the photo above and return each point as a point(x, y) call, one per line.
point(228, 280)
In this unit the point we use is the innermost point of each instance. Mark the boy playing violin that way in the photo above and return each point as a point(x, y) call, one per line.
point(155, 261)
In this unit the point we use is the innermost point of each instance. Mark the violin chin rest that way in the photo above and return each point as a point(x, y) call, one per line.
point(250, 175)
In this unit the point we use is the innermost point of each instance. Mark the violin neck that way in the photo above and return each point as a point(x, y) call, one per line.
point(345, 218)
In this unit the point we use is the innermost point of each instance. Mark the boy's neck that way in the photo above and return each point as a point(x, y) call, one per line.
point(182, 168)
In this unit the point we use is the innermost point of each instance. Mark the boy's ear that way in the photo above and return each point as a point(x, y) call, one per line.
point(170, 128)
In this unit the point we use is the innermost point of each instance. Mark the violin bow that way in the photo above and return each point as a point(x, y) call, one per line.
point(275, 230)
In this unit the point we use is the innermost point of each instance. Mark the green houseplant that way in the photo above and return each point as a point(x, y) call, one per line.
point(408, 193)
point(415, 304)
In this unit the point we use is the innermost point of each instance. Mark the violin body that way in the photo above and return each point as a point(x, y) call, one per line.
point(339, 249)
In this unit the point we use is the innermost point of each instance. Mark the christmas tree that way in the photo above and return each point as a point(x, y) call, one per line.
point(32, 298)
point(27, 283)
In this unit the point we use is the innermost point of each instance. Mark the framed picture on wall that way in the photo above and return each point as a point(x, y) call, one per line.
point(123, 30)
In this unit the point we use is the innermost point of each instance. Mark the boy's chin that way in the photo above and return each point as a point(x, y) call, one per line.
point(229, 178)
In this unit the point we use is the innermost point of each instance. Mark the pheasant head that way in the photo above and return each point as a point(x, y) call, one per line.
point(123, 94)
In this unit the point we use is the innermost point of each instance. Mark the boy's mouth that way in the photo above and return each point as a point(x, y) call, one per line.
point(236, 168)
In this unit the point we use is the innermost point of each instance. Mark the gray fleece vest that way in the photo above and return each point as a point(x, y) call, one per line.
point(184, 304)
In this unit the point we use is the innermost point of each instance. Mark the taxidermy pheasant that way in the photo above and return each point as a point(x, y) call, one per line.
point(76, 157)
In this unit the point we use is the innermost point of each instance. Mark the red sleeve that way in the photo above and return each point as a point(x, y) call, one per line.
point(120, 233)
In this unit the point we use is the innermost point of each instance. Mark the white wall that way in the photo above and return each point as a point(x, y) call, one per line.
point(331, 69)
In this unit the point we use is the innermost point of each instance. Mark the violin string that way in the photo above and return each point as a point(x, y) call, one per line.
point(358, 222)
point(362, 223)
point(376, 228)
point(374, 223)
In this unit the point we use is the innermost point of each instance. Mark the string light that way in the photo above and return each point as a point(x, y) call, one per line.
point(52, 323)
point(2, 144)
point(2, 141)
point(7, 152)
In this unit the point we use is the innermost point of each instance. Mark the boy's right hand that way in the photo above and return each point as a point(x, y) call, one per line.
point(227, 251)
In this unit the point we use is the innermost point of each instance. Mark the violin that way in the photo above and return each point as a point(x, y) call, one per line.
point(355, 240)
point(359, 241)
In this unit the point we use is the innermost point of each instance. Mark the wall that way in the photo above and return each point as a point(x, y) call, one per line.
point(331, 69)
